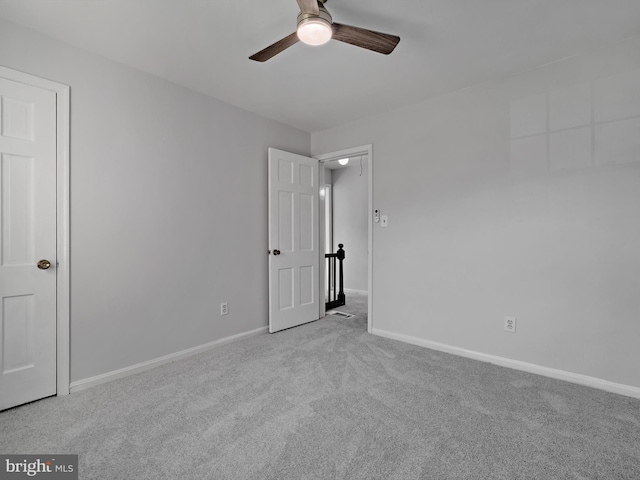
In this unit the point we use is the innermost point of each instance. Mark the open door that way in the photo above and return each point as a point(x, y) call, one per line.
point(293, 240)
point(27, 243)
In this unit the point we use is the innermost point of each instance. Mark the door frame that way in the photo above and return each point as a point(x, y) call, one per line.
point(63, 373)
point(327, 157)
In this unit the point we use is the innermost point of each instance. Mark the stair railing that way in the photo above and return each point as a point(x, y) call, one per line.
point(335, 295)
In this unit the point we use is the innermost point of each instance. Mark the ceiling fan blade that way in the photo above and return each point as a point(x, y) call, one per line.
point(361, 37)
point(309, 6)
point(276, 48)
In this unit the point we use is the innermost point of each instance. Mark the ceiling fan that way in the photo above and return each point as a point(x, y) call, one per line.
point(316, 27)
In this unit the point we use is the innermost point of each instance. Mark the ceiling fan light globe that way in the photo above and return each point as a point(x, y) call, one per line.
point(314, 31)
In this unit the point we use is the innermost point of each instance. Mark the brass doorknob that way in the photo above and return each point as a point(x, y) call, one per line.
point(44, 264)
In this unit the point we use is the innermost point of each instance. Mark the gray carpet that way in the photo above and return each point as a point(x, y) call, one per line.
point(329, 401)
point(356, 304)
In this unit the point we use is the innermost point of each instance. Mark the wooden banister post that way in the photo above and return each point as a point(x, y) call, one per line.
point(340, 255)
point(335, 291)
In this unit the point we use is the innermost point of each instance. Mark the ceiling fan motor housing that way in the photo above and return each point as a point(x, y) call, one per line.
point(315, 29)
point(324, 15)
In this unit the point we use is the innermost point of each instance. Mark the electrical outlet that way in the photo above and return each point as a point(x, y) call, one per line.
point(510, 324)
point(224, 308)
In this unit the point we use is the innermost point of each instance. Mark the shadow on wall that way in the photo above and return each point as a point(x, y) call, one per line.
point(583, 126)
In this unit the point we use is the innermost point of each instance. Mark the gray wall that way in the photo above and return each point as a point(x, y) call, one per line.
point(168, 207)
point(350, 221)
point(517, 197)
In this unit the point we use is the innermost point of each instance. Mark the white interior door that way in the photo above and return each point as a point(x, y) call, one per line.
point(27, 235)
point(293, 240)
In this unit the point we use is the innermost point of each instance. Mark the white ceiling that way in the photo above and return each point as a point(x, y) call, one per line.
point(353, 162)
point(446, 45)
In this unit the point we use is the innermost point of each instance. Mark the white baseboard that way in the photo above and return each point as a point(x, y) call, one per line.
point(148, 365)
point(593, 382)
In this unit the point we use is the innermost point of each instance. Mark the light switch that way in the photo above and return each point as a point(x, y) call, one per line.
point(384, 220)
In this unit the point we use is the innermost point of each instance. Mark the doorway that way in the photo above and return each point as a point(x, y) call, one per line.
point(349, 184)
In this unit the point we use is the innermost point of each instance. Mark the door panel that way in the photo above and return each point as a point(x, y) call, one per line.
point(27, 234)
point(307, 222)
point(17, 205)
point(18, 333)
point(307, 285)
point(293, 231)
point(285, 221)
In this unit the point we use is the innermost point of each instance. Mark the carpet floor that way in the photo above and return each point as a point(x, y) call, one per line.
point(329, 401)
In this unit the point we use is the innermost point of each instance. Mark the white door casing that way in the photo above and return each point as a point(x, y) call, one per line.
point(28, 203)
point(293, 240)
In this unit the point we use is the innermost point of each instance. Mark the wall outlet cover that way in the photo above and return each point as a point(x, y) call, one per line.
point(510, 324)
